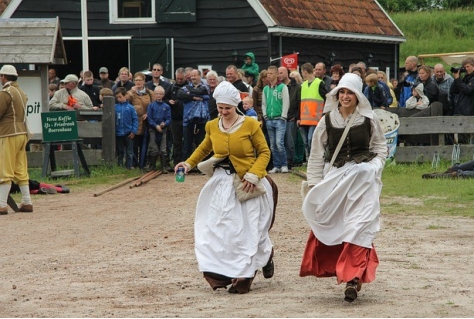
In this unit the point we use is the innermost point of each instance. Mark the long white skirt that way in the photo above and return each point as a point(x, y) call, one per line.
point(344, 206)
point(231, 238)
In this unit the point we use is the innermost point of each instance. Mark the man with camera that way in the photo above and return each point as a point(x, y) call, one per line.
point(462, 89)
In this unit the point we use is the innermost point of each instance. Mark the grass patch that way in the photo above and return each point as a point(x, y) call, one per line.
point(404, 192)
point(100, 175)
point(450, 28)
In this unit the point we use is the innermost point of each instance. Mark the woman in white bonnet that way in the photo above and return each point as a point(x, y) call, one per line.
point(231, 237)
point(342, 203)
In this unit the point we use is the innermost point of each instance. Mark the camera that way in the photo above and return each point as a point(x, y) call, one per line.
point(459, 69)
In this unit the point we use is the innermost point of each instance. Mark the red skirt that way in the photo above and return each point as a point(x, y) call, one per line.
point(345, 261)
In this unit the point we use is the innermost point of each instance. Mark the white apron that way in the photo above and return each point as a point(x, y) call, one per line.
point(344, 206)
point(231, 238)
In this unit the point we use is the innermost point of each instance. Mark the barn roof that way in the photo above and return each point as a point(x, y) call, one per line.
point(31, 41)
point(349, 20)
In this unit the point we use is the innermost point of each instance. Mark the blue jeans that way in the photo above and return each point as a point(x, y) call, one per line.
point(276, 132)
point(124, 148)
point(290, 139)
point(306, 132)
point(192, 133)
point(465, 169)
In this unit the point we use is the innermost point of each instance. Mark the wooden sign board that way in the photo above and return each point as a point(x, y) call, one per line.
point(59, 126)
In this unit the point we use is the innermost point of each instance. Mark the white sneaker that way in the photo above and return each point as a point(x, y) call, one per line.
point(284, 169)
point(274, 170)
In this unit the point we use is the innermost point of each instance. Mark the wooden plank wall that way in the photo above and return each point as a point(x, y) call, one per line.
point(347, 52)
point(439, 125)
point(27, 41)
point(221, 27)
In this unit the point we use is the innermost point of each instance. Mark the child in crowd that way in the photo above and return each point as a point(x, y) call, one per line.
point(92, 90)
point(250, 66)
point(418, 100)
point(52, 88)
point(104, 92)
point(159, 118)
point(126, 126)
point(375, 92)
point(247, 103)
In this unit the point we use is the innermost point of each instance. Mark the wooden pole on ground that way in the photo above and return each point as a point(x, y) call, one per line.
point(148, 178)
point(152, 176)
point(138, 181)
point(116, 186)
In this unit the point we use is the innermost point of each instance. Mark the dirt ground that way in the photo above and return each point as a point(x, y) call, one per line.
point(129, 253)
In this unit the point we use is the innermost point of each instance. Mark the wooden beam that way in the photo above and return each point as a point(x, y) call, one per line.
point(89, 129)
point(436, 125)
point(422, 154)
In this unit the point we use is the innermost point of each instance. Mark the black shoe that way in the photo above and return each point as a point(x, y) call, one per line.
point(269, 269)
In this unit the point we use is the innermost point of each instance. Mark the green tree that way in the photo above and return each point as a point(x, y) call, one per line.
point(416, 5)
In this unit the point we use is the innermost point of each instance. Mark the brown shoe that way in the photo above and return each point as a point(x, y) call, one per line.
point(3, 210)
point(352, 287)
point(26, 208)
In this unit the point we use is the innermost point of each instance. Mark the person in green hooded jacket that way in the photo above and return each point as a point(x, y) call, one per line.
point(250, 66)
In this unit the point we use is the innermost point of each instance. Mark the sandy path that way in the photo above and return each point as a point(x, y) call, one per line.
point(129, 253)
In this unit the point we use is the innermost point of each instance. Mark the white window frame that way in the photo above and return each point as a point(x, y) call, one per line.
point(114, 19)
point(10, 10)
point(203, 67)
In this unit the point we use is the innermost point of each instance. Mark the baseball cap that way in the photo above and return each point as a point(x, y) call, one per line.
point(70, 78)
point(8, 69)
point(103, 70)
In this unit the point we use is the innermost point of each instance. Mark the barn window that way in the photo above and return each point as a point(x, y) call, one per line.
point(132, 11)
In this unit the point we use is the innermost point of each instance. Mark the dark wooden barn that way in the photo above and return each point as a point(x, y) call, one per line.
point(216, 33)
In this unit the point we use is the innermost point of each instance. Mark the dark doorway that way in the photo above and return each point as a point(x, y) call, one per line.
point(113, 54)
point(145, 52)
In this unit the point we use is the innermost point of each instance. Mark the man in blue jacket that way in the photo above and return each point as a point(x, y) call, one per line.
point(195, 97)
point(409, 77)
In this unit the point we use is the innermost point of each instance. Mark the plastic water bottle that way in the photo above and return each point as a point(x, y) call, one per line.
point(180, 175)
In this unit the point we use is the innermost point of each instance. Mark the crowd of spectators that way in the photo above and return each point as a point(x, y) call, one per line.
point(288, 104)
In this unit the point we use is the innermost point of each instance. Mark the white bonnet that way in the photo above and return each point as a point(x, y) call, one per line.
point(351, 82)
point(226, 93)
